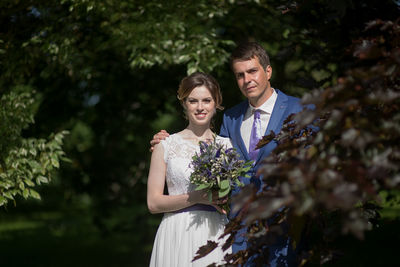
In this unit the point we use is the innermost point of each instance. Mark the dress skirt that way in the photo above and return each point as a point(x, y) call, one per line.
point(181, 234)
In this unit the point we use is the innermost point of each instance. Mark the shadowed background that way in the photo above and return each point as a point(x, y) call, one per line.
point(108, 72)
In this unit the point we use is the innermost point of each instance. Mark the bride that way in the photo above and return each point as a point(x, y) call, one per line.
point(190, 220)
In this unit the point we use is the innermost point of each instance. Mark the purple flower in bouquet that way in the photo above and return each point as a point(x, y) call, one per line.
point(218, 168)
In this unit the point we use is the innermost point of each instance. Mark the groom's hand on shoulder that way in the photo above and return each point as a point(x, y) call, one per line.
point(161, 135)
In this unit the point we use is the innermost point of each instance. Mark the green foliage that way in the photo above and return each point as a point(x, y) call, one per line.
point(173, 33)
point(24, 162)
point(109, 72)
point(15, 115)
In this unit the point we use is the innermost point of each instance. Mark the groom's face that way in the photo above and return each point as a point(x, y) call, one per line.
point(253, 80)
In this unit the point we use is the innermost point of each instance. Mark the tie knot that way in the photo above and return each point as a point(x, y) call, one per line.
point(256, 114)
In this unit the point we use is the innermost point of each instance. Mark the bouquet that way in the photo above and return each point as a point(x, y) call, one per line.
point(218, 168)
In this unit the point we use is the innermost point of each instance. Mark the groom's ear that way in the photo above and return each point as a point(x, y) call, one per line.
point(268, 71)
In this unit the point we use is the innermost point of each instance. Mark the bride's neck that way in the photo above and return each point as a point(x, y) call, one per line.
point(200, 132)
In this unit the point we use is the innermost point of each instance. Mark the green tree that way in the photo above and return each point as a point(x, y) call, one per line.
point(108, 71)
point(24, 162)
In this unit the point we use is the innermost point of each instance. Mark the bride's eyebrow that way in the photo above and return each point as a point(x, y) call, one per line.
point(195, 99)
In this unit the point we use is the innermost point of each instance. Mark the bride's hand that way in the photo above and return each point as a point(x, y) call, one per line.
point(201, 197)
point(161, 135)
point(218, 203)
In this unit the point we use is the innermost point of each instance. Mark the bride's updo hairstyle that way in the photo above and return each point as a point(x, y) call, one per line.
point(199, 79)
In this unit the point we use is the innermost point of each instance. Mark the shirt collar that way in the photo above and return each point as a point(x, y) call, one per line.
point(267, 106)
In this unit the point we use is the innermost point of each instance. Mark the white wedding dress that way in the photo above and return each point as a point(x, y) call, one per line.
point(180, 234)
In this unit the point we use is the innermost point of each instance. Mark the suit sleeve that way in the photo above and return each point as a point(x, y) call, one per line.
point(224, 129)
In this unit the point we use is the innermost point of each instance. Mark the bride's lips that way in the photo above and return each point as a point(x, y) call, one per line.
point(201, 115)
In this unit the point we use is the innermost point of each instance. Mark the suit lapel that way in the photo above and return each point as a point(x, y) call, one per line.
point(240, 142)
point(280, 107)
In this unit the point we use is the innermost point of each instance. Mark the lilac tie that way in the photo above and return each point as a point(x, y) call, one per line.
point(255, 135)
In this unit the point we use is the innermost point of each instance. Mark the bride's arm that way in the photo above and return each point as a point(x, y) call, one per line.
point(157, 202)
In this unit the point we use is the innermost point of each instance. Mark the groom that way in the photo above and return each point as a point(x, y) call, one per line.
point(264, 110)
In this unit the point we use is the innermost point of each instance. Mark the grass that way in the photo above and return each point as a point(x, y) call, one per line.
point(46, 239)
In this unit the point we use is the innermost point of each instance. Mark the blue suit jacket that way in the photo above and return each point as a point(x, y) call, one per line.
point(232, 121)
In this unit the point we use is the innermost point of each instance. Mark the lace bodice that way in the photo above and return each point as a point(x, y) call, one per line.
point(178, 154)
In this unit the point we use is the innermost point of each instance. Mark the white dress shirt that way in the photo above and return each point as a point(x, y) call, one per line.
point(265, 115)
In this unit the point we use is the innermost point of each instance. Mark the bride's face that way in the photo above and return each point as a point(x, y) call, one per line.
point(200, 106)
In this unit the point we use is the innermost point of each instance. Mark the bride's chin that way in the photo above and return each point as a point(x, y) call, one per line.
point(200, 122)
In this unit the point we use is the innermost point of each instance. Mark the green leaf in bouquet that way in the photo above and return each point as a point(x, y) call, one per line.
point(247, 168)
point(223, 192)
point(210, 196)
point(203, 186)
point(224, 188)
point(238, 182)
point(224, 184)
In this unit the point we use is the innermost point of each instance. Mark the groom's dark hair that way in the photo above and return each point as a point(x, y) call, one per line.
point(247, 51)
